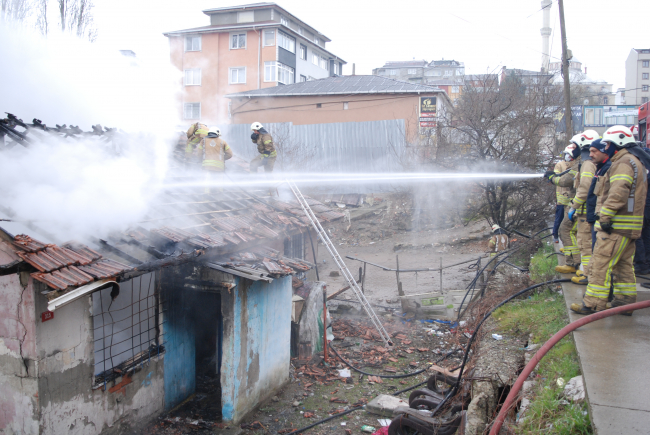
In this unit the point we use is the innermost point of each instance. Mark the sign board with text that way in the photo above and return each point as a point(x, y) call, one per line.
point(428, 107)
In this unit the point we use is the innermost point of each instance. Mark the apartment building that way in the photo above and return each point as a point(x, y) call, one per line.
point(244, 48)
point(637, 76)
point(445, 74)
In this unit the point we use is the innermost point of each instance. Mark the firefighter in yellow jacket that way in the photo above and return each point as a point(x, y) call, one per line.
point(568, 229)
point(578, 211)
point(562, 200)
point(215, 152)
point(265, 147)
point(621, 198)
point(195, 134)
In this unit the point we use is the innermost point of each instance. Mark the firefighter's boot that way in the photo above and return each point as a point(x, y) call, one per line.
point(567, 268)
point(580, 280)
point(589, 305)
point(620, 300)
point(580, 273)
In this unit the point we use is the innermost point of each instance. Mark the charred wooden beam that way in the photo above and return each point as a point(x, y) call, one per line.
point(143, 268)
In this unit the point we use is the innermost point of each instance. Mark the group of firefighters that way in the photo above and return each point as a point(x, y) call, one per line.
point(601, 191)
point(207, 143)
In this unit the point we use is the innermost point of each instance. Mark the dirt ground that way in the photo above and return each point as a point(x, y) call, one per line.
point(315, 390)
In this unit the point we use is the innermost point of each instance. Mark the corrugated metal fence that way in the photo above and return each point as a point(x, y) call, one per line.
point(373, 146)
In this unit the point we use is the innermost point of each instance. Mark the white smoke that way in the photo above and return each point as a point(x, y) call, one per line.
point(73, 188)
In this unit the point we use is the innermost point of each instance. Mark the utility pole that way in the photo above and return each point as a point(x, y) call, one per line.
point(568, 121)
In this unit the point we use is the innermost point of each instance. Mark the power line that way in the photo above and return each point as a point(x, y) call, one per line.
point(539, 10)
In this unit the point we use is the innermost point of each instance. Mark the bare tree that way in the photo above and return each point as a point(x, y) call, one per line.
point(75, 16)
point(503, 127)
point(15, 10)
point(41, 17)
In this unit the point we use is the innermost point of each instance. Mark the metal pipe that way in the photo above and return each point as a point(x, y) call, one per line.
point(325, 323)
point(510, 400)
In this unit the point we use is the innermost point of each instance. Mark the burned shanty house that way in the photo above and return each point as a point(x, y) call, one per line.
point(105, 332)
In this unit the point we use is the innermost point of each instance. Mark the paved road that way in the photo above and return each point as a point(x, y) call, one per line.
point(614, 356)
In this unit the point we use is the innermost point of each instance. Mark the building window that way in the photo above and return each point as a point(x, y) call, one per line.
point(644, 100)
point(455, 89)
point(645, 76)
point(287, 42)
point(303, 52)
point(605, 100)
point(284, 21)
point(269, 38)
point(303, 78)
point(345, 105)
point(645, 63)
point(412, 71)
point(336, 68)
point(237, 41)
point(126, 330)
point(245, 17)
point(316, 40)
point(192, 43)
point(193, 76)
point(437, 73)
point(314, 58)
point(459, 72)
point(192, 111)
point(300, 30)
point(319, 105)
point(448, 72)
point(278, 72)
point(393, 72)
point(324, 64)
point(237, 75)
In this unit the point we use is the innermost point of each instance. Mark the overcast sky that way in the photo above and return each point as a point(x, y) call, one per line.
point(484, 35)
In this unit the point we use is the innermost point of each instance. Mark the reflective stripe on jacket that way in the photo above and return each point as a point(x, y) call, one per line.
point(215, 152)
point(195, 134)
point(265, 145)
point(622, 195)
point(562, 193)
point(583, 182)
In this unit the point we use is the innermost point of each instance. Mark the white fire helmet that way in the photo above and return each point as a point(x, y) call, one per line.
point(495, 227)
point(619, 135)
point(586, 138)
point(215, 130)
point(256, 126)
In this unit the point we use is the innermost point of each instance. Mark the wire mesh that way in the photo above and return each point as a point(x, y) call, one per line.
point(127, 328)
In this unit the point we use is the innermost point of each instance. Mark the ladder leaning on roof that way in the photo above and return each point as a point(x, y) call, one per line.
point(339, 262)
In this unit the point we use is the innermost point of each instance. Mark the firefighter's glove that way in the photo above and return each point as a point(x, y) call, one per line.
point(597, 217)
point(606, 226)
point(267, 155)
point(571, 213)
point(549, 175)
point(255, 136)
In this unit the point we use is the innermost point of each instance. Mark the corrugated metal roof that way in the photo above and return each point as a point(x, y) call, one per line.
point(341, 85)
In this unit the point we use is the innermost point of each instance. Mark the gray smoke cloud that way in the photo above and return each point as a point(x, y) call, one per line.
point(71, 187)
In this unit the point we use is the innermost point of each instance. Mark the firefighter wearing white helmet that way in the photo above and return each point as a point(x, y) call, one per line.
point(621, 195)
point(265, 147)
point(195, 135)
point(499, 241)
point(215, 152)
point(568, 229)
point(578, 211)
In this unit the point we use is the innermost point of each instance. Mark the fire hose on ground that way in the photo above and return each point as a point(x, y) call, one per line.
point(510, 400)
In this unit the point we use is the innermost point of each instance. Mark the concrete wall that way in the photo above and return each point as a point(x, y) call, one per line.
point(18, 383)
point(68, 403)
point(256, 344)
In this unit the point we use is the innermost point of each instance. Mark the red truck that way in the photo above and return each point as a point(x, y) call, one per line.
point(644, 123)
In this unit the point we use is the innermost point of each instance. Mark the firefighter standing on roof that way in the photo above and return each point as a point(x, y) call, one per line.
point(215, 152)
point(621, 196)
point(265, 147)
point(195, 134)
point(578, 210)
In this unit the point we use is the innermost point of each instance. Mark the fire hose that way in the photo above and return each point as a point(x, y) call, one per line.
point(510, 400)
